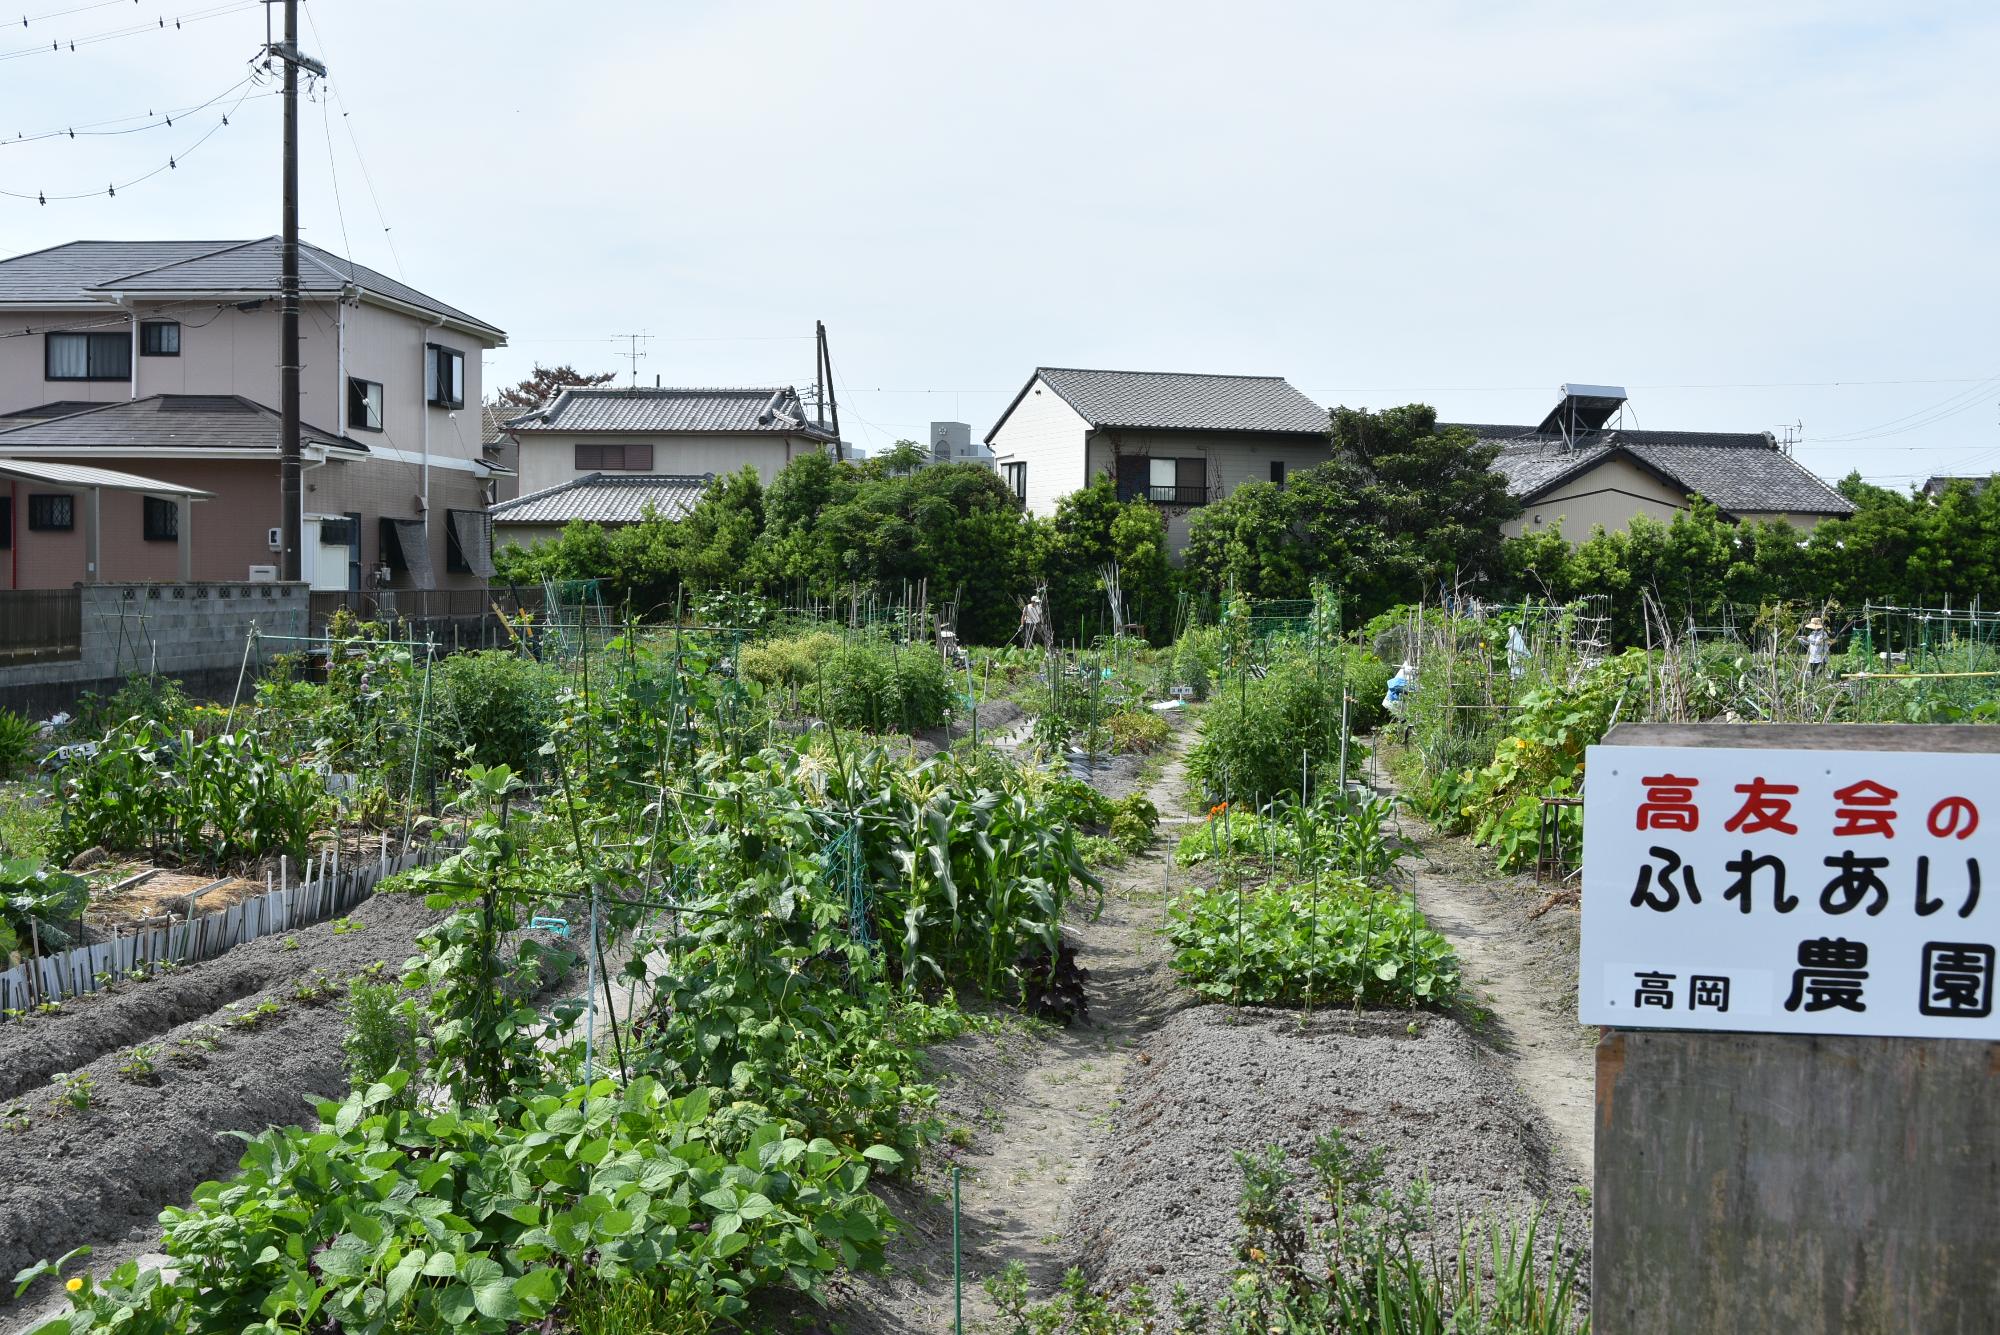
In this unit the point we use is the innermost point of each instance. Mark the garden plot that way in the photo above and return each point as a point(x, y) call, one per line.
point(100, 1174)
point(1161, 1206)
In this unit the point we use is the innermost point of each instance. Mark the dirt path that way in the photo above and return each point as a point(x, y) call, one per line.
point(1019, 1190)
point(1032, 1110)
point(1521, 972)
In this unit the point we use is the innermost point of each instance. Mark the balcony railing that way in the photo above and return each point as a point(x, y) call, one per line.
point(1177, 495)
point(40, 625)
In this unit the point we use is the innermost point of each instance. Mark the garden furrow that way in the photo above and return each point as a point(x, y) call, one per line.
point(101, 1174)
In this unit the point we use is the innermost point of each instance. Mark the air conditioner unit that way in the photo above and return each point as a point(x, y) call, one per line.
point(276, 538)
point(263, 574)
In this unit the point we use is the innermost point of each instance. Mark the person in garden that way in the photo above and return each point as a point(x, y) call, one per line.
point(1818, 644)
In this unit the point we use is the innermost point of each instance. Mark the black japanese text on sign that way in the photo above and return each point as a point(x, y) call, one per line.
point(1811, 892)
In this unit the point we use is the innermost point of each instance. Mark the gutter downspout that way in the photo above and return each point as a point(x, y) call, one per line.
point(132, 319)
point(340, 364)
point(424, 411)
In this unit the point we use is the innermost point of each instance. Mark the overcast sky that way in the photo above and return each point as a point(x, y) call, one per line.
point(1751, 215)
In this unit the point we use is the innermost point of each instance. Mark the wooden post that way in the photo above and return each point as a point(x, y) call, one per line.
point(1812, 1184)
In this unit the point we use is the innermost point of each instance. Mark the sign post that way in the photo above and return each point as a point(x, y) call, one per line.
point(1786, 933)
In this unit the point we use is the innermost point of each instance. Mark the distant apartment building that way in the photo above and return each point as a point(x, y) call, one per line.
point(157, 362)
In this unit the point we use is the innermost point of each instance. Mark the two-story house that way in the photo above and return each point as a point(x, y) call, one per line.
point(608, 456)
point(158, 361)
point(1180, 440)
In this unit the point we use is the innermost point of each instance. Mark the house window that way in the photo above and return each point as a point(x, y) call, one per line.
point(614, 458)
point(1017, 480)
point(6, 523)
point(163, 520)
point(160, 338)
point(1177, 481)
point(444, 377)
point(87, 356)
point(52, 512)
point(364, 404)
point(1277, 472)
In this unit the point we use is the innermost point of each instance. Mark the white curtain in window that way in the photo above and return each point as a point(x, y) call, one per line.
point(69, 356)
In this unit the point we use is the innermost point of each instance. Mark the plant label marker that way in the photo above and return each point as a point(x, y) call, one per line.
point(1784, 937)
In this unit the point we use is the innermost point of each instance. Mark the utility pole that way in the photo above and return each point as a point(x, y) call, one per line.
point(824, 372)
point(291, 484)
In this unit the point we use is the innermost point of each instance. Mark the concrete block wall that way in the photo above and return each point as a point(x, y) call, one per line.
point(195, 632)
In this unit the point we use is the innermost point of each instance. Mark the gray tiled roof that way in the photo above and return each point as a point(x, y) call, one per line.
point(1740, 471)
point(605, 498)
point(63, 275)
point(1170, 400)
point(42, 412)
point(85, 270)
point(643, 411)
point(166, 422)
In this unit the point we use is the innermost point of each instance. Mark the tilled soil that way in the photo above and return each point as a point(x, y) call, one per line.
point(1517, 950)
point(101, 1175)
point(1161, 1204)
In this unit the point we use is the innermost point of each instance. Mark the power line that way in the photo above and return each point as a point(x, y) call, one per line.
point(172, 163)
point(133, 30)
point(74, 9)
point(153, 121)
point(360, 160)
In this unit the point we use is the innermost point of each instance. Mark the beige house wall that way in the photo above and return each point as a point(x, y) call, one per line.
point(1606, 496)
point(232, 351)
point(524, 535)
point(1231, 461)
point(548, 459)
point(229, 531)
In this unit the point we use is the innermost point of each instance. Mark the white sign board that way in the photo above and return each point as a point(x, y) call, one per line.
point(1792, 892)
point(1181, 692)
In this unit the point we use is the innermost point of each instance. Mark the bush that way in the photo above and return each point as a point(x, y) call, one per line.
point(17, 742)
point(211, 800)
point(876, 686)
point(1196, 660)
point(466, 1220)
point(1139, 730)
point(788, 662)
point(38, 903)
point(381, 1037)
point(1341, 942)
point(1256, 730)
point(492, 708)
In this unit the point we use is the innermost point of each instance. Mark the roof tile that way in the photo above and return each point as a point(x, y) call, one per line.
point(1170, 400)
point(605, 498)
point(641, 410)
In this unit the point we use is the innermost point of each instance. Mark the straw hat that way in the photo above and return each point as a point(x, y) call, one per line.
point(1816, 624)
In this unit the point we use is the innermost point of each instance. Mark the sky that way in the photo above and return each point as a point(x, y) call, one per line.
point(1753, 217)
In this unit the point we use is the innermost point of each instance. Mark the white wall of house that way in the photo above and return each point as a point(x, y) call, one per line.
point(1046, 434)
point(548, 458)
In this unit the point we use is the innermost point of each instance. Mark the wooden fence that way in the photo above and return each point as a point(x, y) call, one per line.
point(327, 890)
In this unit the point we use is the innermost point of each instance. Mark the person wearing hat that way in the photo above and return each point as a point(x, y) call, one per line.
point(1818, 643)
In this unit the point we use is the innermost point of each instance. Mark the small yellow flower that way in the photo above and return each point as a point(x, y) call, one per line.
point(1256, 1253)
point(75, 1284)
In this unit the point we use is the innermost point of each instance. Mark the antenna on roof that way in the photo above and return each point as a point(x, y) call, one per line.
point(1787, 437)
point(635, 354)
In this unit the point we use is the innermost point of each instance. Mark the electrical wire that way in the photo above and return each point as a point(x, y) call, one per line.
point(154, 120)
point(134, 30)
point(74, 9)
point(360, 159)
point(172, 163)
